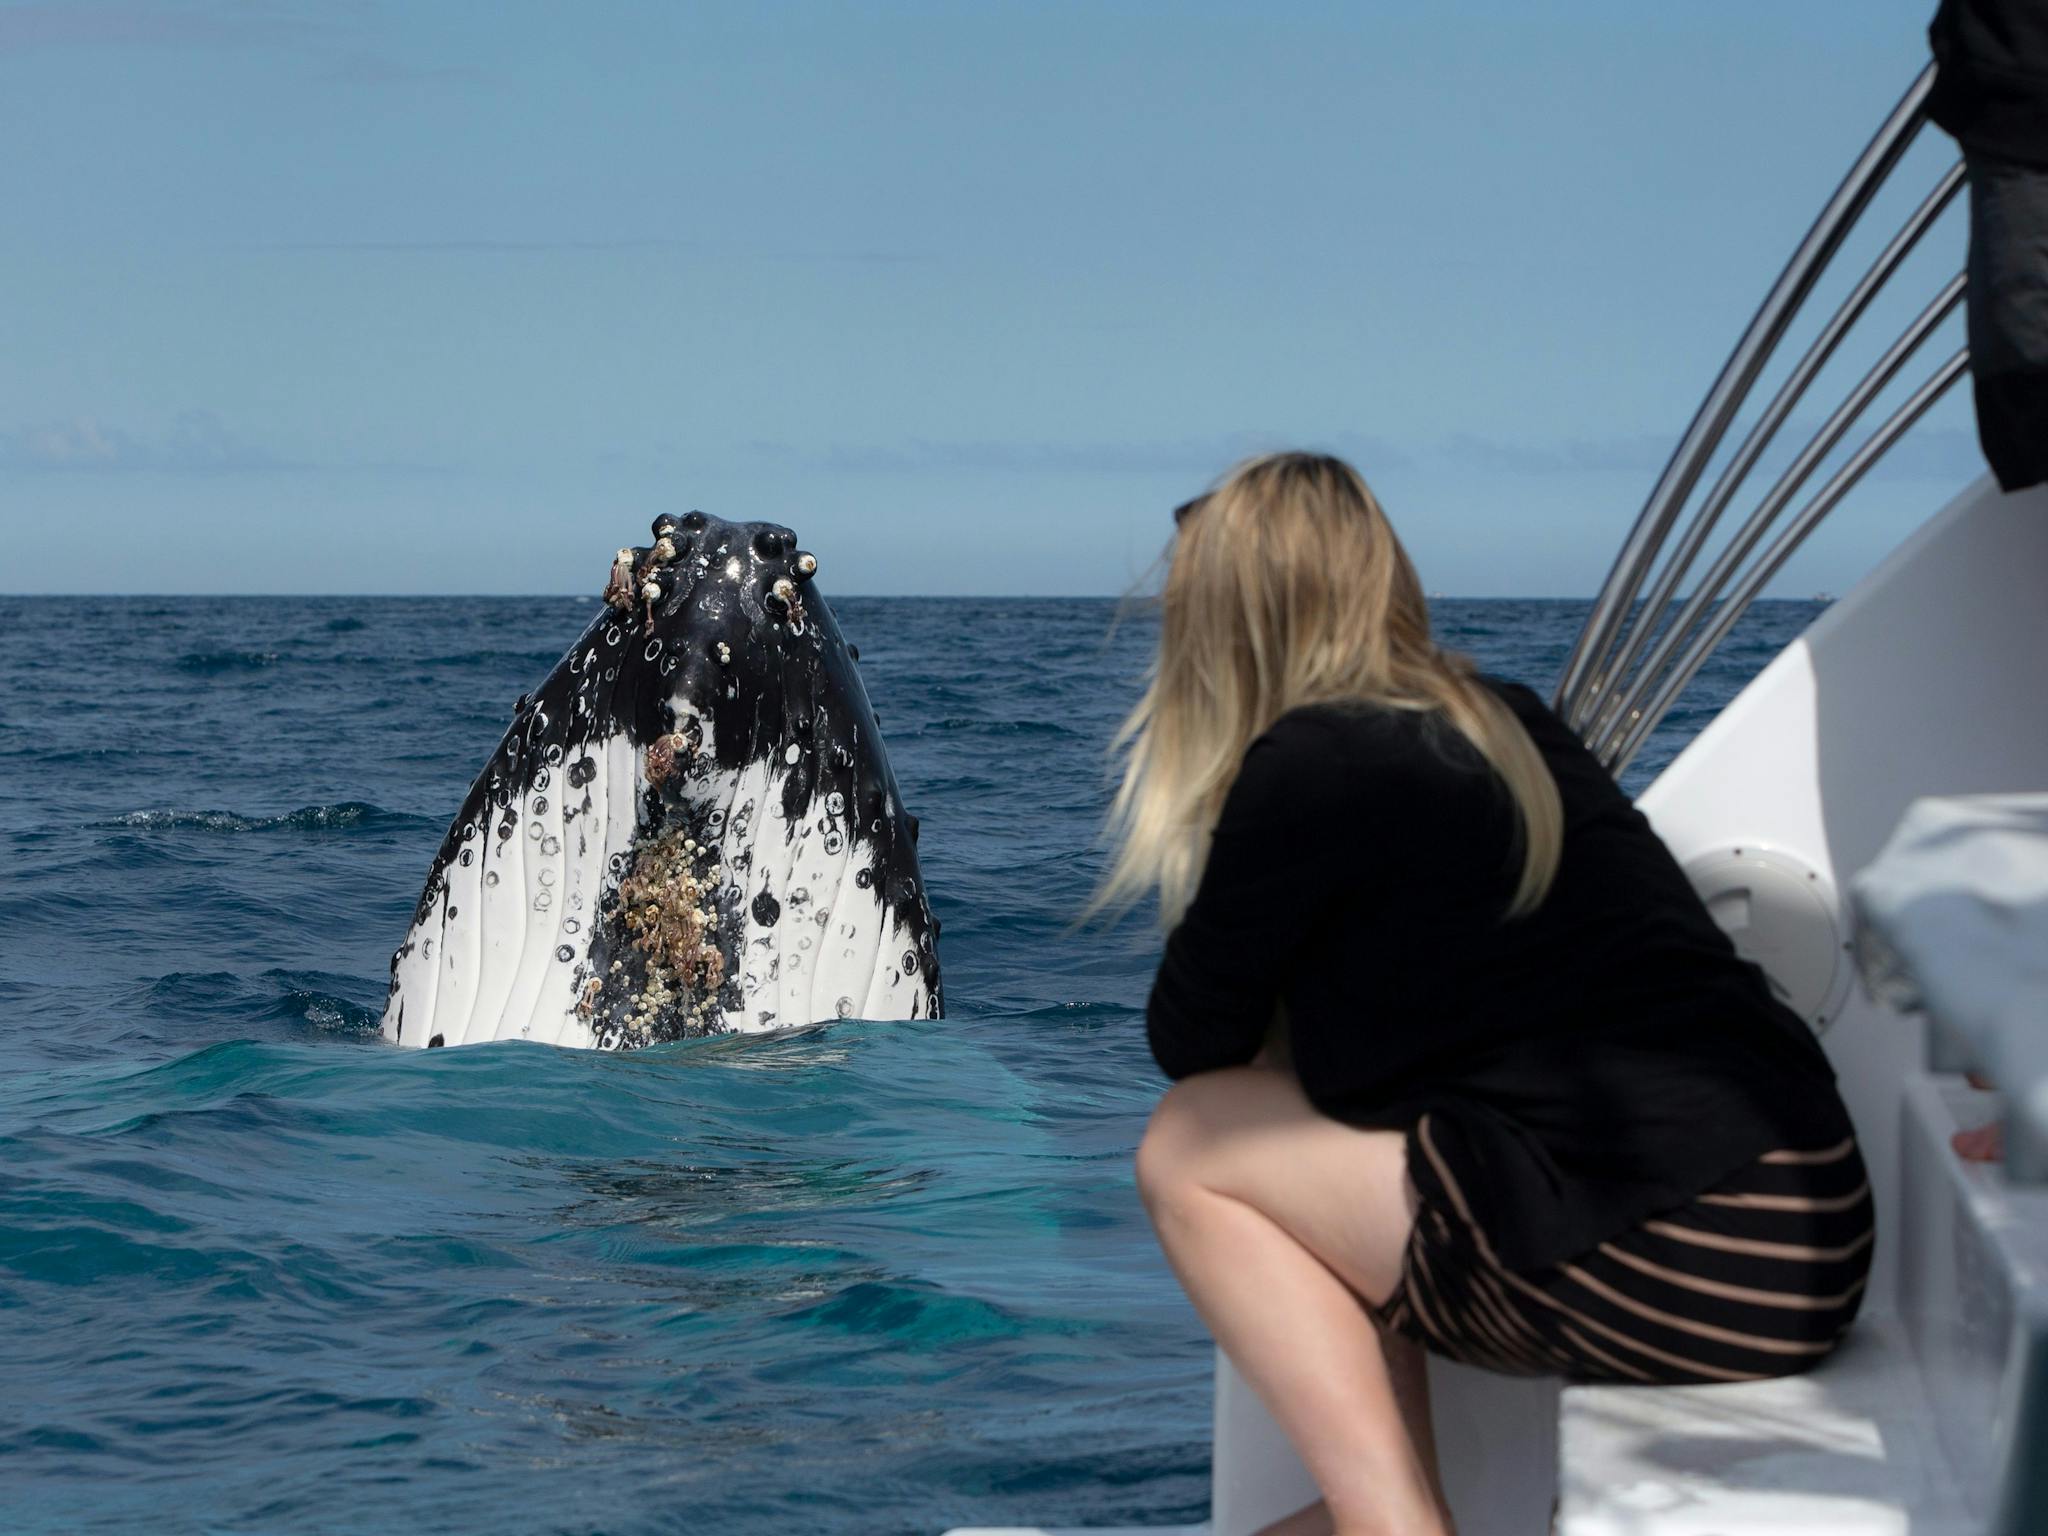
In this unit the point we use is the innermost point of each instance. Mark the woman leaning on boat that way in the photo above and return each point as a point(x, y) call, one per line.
point(1461, 1062)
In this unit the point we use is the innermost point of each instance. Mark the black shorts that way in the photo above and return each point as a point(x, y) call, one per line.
point(1758, 1276)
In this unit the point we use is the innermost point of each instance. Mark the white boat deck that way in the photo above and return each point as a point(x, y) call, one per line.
point(1842, 1450)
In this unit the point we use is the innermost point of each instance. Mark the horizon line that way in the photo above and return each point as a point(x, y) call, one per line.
point(920, 597)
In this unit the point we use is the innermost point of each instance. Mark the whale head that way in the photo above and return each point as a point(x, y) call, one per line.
point(690, 827)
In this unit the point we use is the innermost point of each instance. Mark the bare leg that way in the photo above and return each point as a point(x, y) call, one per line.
point(1278, 1221)
point(1409, 1368)
point(1408, 1364)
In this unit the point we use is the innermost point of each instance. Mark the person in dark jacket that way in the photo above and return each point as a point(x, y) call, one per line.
point(1991, 93)
point(1529, 1109)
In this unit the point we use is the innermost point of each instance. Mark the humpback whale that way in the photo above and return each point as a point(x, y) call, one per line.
point(690, 827)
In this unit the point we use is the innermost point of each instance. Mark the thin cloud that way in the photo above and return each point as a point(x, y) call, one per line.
point(196, 443)
point(1925, 454)
point(472, 247)
point(1594, 455)
point(335, 41)
point(1193, 456)
point(550, 246)
point(80, 24)
point(375, 69)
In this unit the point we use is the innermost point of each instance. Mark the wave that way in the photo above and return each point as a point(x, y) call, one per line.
point(534, 662)
point(349, 816)
point(984, 726)
point(213, 663)
point(347, 624)
point(312, 999)
point(539, 659)
point(923, 1319)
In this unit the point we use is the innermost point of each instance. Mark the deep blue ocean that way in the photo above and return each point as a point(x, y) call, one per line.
point(260, 1272)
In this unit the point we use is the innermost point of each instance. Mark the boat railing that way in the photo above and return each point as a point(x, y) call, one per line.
point(1635, 656)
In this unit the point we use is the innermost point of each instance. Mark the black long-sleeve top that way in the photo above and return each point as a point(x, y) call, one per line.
point(1602, 1058)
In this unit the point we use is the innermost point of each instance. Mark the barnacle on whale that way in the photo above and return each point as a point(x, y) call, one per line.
point(667, 909)
point(618, 588)
point(663, 755)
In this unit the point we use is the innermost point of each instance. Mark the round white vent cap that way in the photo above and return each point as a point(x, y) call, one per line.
point(1784, 916)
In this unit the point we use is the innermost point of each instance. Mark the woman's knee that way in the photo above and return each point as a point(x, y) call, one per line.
point(1184, 1129)
point(1157, 1161)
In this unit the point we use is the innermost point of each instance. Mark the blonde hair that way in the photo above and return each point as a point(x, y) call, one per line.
point(1287, 587)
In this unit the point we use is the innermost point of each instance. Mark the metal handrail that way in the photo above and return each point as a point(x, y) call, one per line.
point(1738, 374)
point(1634, 656)
point(1766, 429)
point(1753, 582)
point(1628, 694)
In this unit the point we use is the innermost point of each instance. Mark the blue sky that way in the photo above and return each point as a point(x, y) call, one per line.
point(432, 297)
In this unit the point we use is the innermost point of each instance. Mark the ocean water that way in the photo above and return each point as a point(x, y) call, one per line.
point(260, 1272)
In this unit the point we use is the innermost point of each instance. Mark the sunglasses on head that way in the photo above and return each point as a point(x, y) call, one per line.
point(1180, 513)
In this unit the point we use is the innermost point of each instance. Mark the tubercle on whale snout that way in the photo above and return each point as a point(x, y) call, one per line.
point(653, 581)
point(731, 636)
